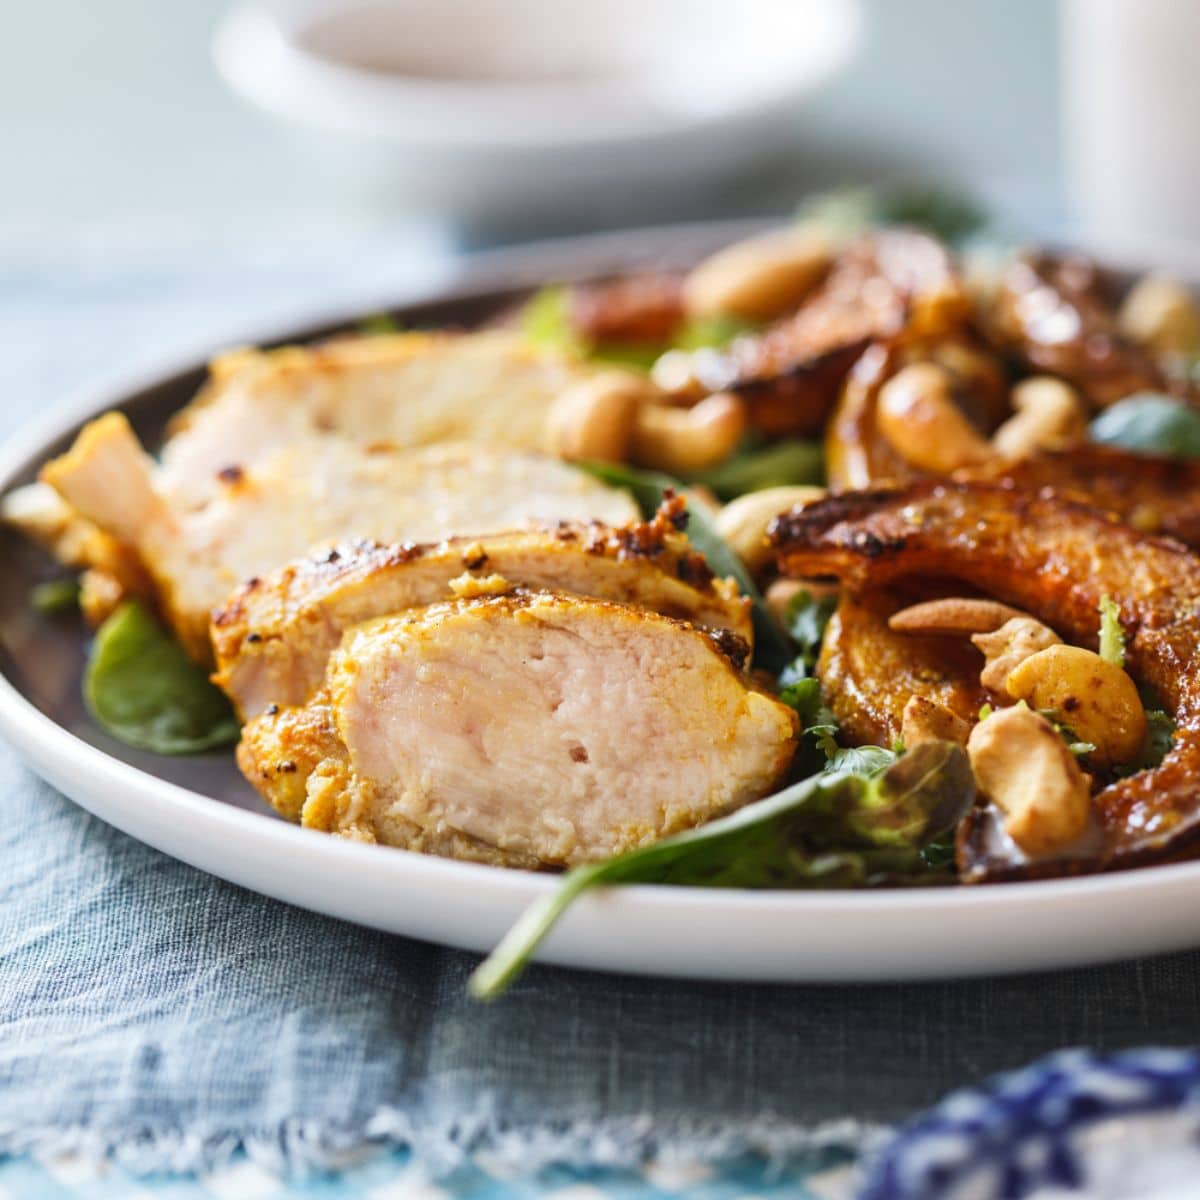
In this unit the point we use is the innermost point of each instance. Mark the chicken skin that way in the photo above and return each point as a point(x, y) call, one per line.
point(287, 449)
point(525, 729)
point(400, 390)
point(305, 495)
point(274, 636)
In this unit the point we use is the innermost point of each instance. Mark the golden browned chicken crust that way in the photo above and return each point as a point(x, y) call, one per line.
point(790, 374)
point(1056, 559)
point(273, 637)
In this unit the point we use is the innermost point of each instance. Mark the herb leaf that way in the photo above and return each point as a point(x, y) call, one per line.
point(1160, 737)
point(55, 597)
point(141, 688)
point(379, 324)
point(861, 760)
point(1150, 423)
point(546, 321)
point(806, 620)
point(1112, 634)
point(648, 488)
point(824, 830)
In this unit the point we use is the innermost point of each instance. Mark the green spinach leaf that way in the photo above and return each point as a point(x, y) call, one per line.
point(1149, 423)
point(55, 597)
point(780, 464)
point(648, 488)
point(141, 688)
point(826, 829)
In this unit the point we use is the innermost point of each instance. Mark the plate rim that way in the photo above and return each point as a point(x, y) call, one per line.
point(38, 738)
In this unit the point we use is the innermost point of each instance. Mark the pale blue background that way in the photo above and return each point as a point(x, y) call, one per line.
point(116, 133)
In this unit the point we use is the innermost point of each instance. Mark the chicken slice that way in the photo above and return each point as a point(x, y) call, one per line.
point(306, 494)
point(528, 729)
point(401, 390)
point(43, 516)
point(274, 636)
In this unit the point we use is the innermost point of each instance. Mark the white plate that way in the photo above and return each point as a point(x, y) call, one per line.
point(445, 106)
point(200, 811)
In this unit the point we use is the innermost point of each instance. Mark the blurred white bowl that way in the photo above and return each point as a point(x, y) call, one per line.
point(488, 106)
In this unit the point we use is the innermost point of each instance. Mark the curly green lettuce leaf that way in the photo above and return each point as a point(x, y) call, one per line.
point(546, 321)
point(143, 690)
point(824, 830)
point(1160, 737)
point(805, 620)
point(1150, 423)
point(649, 489)
point(1112, 634)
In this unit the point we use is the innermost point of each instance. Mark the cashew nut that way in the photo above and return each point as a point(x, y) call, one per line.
point(1161, 314)
point(679, 440)
point(743, 522)
point(761, 277)
point(917, 415)
point(1048, 416)
point(594, 419)
point(926, 720)
point(674, 372)
point(953, 615)
point(1007, 647)
point(620, 416)
point(1094, 698)
point(1024, 767)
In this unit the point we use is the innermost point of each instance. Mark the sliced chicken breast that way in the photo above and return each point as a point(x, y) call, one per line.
point(306, 494)
point(400, 390)
point(528, 729)
point(274, 637)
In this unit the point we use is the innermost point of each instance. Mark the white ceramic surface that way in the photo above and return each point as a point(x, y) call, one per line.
point(204, 815)
point(483, 106)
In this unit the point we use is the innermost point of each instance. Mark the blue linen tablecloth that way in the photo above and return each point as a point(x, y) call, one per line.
point(176, 1023)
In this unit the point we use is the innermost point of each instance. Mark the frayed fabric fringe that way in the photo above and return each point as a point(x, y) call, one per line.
point(298, 1147)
